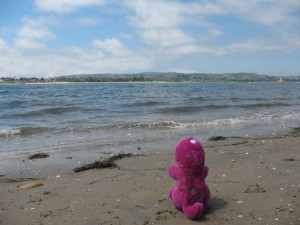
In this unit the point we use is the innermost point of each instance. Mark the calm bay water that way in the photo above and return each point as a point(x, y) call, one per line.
point(124, 116)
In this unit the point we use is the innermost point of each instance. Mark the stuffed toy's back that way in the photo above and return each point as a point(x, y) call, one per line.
point(191, 194)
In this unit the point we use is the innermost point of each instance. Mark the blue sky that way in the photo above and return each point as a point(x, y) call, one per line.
point(56, 37)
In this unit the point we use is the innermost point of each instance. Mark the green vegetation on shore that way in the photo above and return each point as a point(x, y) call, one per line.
point(155, 77)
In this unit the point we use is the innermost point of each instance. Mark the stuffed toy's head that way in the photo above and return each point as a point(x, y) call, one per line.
point(190, 153)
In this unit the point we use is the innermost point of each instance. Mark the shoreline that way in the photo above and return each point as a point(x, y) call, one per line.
point(252, 182)
point(63, 158)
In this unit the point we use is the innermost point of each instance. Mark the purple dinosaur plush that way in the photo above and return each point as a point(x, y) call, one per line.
point(191, 193)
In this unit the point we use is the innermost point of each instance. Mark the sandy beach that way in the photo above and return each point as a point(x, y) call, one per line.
point(252, 181)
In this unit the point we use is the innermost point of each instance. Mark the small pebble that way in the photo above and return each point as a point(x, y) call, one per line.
point(239, 202)
point(240, 216)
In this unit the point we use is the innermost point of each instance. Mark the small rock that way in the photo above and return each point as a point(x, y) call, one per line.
point(289, 159)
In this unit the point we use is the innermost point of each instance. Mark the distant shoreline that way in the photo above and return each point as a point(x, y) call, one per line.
point(138, 82)
point(153, 77)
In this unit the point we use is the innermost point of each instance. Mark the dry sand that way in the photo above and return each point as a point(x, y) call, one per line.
point(254, 181)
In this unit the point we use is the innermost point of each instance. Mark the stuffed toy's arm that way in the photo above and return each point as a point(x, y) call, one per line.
point(173, 171)
point(205, 172)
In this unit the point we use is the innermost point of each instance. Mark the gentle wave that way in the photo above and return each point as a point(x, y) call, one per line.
point(43, 112)
point(24, 131)
point(15, 103)
point(139, 104)
point(183, 109)
point(191, 109)
point(264, 105)
point(166, 124)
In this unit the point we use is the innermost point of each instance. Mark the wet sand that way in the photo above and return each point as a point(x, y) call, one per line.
point(252, 181)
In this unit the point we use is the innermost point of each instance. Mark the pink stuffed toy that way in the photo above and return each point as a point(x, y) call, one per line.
point(191, 193)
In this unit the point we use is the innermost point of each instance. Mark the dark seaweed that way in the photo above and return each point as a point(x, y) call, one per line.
point(39, 156)
point(107, 163)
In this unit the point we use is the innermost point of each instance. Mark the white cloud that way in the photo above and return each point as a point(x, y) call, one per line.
point(267, 12)
point(35, 32)
point(49, 61)
point(86, 21)
point(113, 46)
point(160, 22)
point(65, 6)
point(3, 44)
point(166, 37)
point(28, 44)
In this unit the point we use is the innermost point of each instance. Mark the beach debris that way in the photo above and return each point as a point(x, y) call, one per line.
point(95, 165)
point(295, 132)
point(217, 138)
point(31, 185)
point(121, 155)
point(255, 188)
point(3, 175)
point(239, 202)
point(38, 156)
point(289, 159)
point(107, 163)
point(69, 157)
point(15, 180)
point(240, 216)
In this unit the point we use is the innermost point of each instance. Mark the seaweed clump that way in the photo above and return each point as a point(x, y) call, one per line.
point(295, 132)
point(38, 156)
point(15, 180)
point(217, 138)
point(107, 163)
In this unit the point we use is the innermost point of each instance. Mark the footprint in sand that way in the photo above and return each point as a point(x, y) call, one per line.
point(165, 215)
point(255, 188)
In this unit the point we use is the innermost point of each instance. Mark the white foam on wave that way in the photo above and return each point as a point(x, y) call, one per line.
point(241, 120)
point(9, 132)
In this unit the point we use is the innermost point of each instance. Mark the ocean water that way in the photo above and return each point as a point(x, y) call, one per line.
point(111, 117)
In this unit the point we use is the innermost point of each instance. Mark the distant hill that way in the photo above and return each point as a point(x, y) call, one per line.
point(175, 77)
point(155, 77)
